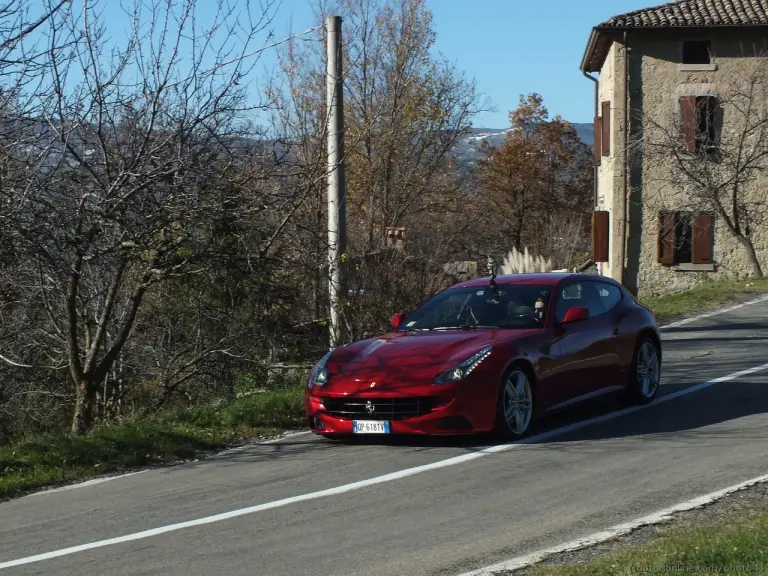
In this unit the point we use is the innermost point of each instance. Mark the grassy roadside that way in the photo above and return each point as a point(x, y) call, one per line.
point(178, 435)
point(167, 437)
point(736, 546)
point(709, 296)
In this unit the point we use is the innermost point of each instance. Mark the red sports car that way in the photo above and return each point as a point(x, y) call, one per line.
point(490, 355)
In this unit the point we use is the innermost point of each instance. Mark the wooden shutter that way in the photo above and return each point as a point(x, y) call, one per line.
point(606, 139)
point(600, 232)
point(667, 240)
point(701, 239)
point(598, 139)
point(688, 123)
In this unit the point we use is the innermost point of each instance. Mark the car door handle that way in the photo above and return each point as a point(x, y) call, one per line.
point(615, 331)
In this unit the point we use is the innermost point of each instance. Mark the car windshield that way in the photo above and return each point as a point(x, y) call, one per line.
point(507, 306)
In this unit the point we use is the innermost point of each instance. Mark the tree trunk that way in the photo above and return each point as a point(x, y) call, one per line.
point(371, 220)
point(85, 405)
point(517, 236)
point(158, 403)
point(754, 263)
point(4, 428)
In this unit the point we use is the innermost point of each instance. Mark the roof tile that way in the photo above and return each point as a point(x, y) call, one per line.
point(694, 13)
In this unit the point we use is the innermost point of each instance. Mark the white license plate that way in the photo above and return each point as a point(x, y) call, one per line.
point(370, 426)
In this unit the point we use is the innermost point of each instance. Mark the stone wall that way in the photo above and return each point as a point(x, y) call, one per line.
point(657, 79)
point(610, 173)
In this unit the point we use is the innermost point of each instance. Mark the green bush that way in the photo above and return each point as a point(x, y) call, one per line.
point(168, 436)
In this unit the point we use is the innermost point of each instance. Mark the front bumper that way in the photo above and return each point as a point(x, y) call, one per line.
point(450, 413)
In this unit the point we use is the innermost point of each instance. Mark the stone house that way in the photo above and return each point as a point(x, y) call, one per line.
point(674, 60)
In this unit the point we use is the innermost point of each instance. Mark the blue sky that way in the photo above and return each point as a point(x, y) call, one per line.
point(511, 47)
point(500, 44)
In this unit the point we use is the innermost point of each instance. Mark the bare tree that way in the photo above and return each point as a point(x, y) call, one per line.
point(405, 111)
point(22, 46)
point(23, 51)
point(115, 185)
point(711, 154)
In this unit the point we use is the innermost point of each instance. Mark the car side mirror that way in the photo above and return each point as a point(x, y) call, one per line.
point(397, 319)
point(575, 314)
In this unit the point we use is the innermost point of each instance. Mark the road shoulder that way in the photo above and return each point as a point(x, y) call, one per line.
point(750, 500)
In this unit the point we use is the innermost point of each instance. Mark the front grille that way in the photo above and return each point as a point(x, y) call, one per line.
point(383, 408)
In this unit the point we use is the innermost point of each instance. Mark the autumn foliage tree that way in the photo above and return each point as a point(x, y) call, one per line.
point(405, 111)
point(163, 223)
point(536, 186)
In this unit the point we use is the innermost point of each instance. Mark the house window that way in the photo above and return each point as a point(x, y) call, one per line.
point(706, 107)
point(696, 52)
point(685, 238)
point(698, 116)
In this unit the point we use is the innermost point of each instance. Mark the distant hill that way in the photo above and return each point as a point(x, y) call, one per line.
point(468, 147)
point(35, 136)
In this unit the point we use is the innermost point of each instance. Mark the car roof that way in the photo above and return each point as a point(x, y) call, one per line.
point(544, 278)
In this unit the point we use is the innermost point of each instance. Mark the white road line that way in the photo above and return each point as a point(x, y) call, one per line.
point(230, 451)
point(613, 532)
point(84, 484)
point(373, 481)
point(763, 298)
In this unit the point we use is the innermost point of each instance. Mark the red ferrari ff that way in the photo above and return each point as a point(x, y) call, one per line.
point(490, 355)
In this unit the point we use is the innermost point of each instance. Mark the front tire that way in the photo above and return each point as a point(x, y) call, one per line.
point(514, 412)
point(645, 373)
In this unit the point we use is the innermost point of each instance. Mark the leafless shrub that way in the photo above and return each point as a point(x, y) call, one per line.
point(140, 161)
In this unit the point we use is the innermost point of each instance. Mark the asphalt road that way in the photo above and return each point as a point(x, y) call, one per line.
point(440, 521)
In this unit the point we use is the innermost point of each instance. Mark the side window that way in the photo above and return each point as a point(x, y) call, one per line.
point(568, 297)
point(609, 295)
point(580, 294)
point(592, 300)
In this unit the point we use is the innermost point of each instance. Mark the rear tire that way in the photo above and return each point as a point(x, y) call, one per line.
point(515, 404)
point(645, 373)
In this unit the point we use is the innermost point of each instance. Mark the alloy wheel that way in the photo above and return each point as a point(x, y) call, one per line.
point(648, 369)
point(518, 402)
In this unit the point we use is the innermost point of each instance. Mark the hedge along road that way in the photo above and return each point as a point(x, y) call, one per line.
point(308, 506)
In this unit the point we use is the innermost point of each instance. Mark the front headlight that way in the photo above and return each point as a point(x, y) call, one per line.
point(462, 370)
point(320, 374)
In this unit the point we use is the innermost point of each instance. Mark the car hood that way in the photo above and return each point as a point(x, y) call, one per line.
point(402, 359)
